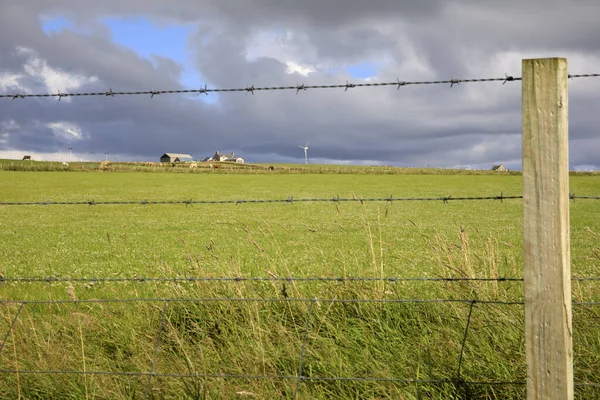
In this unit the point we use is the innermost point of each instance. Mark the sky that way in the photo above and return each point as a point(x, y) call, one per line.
point(130, 45)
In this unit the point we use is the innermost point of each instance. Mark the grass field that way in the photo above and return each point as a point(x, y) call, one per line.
point(410, 341)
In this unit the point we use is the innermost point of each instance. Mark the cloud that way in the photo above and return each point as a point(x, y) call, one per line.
point(300, 69)
point(239, 43)
point(9, 81)
point(54, 80)
point(66, 130)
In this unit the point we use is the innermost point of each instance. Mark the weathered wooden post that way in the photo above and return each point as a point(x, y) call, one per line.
point(548, 318)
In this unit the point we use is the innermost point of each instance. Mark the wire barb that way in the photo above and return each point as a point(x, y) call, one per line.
point(508, 79)
point(205, 90)
point(299, 88)
point(61, 95)
point(349, 86)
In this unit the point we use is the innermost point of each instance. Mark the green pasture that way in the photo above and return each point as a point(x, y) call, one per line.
point(370, 340)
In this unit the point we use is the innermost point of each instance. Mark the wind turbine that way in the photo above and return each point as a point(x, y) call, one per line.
point(305, 152)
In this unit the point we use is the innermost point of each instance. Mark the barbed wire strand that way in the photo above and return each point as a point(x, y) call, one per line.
point(191, 279)
point(273, 377)
point(583, 76)
point(297, 88)
point(258, 377)
point(290, 200)
point(258, 300)
point(274, 300)
point(586, 303)
point(251, 89)
point(585, 197)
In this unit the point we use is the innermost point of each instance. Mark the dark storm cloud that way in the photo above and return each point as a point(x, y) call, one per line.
point(415, 40)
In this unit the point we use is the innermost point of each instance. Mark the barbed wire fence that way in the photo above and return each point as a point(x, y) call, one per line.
point(251, 89)
point(289, 200)
point(301, 376)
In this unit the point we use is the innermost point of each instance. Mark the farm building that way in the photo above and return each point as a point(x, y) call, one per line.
point(221, 157)
point(226, 158)
point(174, 157)
point(498, 167)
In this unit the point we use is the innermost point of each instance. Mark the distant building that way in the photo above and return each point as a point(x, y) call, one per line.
point(222, 157)
point(174, 157)
point(498, 167)
point(226, 158)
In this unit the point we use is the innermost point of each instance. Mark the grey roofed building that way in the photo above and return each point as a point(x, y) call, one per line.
point(176, 157)
point(222, 157)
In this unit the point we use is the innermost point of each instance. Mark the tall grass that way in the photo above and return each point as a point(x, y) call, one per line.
point(254, 338)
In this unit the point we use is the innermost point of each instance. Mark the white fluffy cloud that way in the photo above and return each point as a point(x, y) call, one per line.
point(66, 130)
point(53, 79)
point(9, 81)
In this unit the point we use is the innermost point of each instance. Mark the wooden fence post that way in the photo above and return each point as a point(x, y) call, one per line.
point(548, 318)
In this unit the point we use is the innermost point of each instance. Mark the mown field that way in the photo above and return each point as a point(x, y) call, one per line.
point(226, 341)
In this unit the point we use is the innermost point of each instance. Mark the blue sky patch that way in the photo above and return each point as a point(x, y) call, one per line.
point(167, 40)
point(56, 24)
point(363, 70)
point(146, 38)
